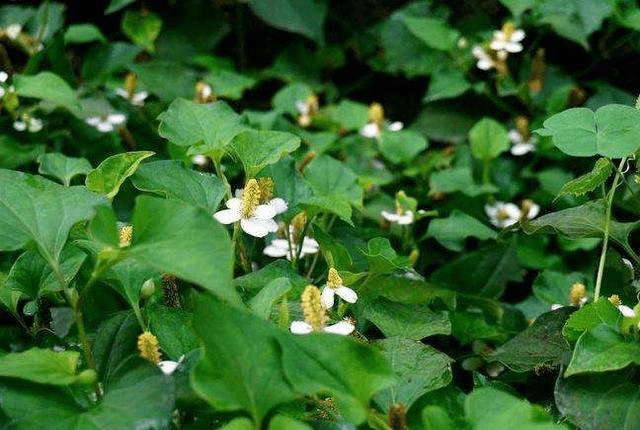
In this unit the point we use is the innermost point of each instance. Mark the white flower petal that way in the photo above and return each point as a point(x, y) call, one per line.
point(116, 118)
point(302, 107)
point(370, 129)
point(13, 30)
point(626, 311)
point(522, 148)
point(406, 218)
point(327, 297)
point(556, 306)
point(343, 327)
point(234, 203)
point(347, 294)
point(104, 126)
point(309, 246)
point(1, 92)
point(278, 205)
point(257, 227)
point(4, 76)
point(35, 125)
point(19, 126)
point(199, 160)
point(515, 136)
point(122, 92)
point(139, 98)
point(389, 216)
point(513, 47)
point(277, 248)
point(264, 212)
point(534, 210)
point(484, 64)
point(168, 366)
point(396, 126)
point(93, 120)
point(227, 216)
point(517, 35)
point(300, 327)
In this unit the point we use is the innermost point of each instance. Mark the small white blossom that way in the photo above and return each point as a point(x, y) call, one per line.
point(4, 76)
point(626, 311)
point(106, 123)
point(255, 219)
point(507, 214)
point(34, 125)
point(403, 218)
point(344, 328)
point(485, 62)
point(168, 366)
point(519, 145)
point(13, 30)
point(283, 248)
point(334, 286)
point(373, 130)
point(136, 99)
point(199, 160)
point(508, 39)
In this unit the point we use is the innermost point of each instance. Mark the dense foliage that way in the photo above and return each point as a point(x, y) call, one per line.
point(303, 214)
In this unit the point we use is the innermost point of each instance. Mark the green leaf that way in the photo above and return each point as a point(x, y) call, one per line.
point(33, 209)
point(14, 154)
point(253, 366)
point(436, 418)
point(401, 146)
point(613, 131)
point(457, 179)
point(83, 33)
point(553, 287)
point(142, 395)
point(489, 409)
point(102, 61)
point(446, 84)
point(589, 181)
point(541, 343)
point(589, 317)
point(283, 422)
point(278, 269)
point(262, 303)
point(142, 28)
point(259, 148)
point(127, 277)
point(304, 17)
point(484, 272)
point(185, 241)
point(62, 167)
point(452, 231)
point(488, 139)
point(420, 369)
point(574, 19)
point(599, 401)
point(186, 123)
point(517, 7)
point(116, 5)
point(42, 366)
point(382, 257)
point(169, 80)
point(46, 86)
point(586, 220)
point(32, 275)
point(602, 349)
point(241, 423)
point(286, 99)
point(170, 179)
point(350, 115)
point(112, 172)
point(173, 329)
point(408, 321)
point(433, 31)
point(228, 83)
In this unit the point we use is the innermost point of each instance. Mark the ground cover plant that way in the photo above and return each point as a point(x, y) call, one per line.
point(299, 214)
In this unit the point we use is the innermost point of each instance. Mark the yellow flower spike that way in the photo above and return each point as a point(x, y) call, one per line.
point(376, 113)
point(538, 68)
point(508, 29)
point(615, 300)
point(313, 104)
point(306, 160)
point(266, 190)
point(130, 83)
point(522, 125)
point(314, 312)
point(298, 222)
point(250, 198)
point(125, 236)
point(398, 417)
point(333, 279)
point(577, 295)
point(148, 347)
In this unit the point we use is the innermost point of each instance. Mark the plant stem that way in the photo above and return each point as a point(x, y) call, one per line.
point(219, 174)
point(607, 223)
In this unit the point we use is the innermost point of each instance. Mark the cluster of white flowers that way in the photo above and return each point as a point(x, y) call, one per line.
point(503, 214)
point(254, 209)
point(136, 98)
point(27, 122)
point(377, 124)
point(505, 41)
point(289, 248)
point(106, 123)
point(520, 146)
point(400, 217)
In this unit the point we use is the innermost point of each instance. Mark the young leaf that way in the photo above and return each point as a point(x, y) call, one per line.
point(173, 329)
point(142, 28)
point(432, 31)
point(41, 365)
point(488, 139)
point(46, 86)
point(612, 131)
point(602, 312)
point(401, 146)
point(62, 167)
point(112, 172)
point(589, 181)
point(257, 148)
point(83, 33)
point(452, 231)
point(297, 16)
point(408, 321)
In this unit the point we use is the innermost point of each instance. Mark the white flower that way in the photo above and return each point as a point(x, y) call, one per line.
point(508, 39)
point(335, 286)
point(520, 147)
point(4, 76)
point(168, 366)
point(255, 219)
point(283, 248)
point(626, 311)
point(106, 123)
point(404, 218)
point(343, 327)
point(395, 126)
point(34, 125)
point(13, 31)
point(503, 214)
point(200, 160)
point(136, 99)
point(485, 62)
point(373, 130)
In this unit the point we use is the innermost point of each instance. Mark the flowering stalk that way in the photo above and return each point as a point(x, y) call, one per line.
point(607, 223)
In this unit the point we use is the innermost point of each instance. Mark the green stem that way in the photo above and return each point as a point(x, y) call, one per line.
point(238, 247)
point(218, 169)
point(485, 173)
point(607, 223)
